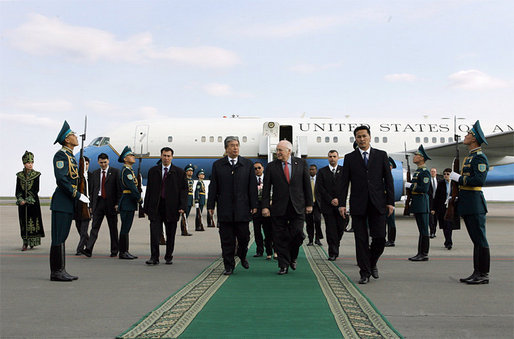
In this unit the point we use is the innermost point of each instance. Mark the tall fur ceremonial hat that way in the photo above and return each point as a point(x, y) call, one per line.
point(189, 167)
point(421, 151)
point(65, 131)
point(27, 157)
point(126, 151)
point(392, 163)
point(478, 133)
point(201, 171)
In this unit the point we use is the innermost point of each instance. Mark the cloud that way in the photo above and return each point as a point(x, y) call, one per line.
point(312, 68)
point(54, 106)
point(30, 119)
point(475, 80)
point(400, 77)
point(44, 36)
point(223, 90)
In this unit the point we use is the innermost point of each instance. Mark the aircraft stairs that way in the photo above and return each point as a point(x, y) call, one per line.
point(273, 132)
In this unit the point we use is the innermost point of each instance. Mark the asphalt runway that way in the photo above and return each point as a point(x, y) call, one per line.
point(421, 300)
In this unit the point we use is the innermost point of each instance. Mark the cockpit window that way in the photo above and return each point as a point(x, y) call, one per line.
point(100, 141)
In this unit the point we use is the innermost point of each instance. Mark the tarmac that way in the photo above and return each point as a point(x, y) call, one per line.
point(421, 300)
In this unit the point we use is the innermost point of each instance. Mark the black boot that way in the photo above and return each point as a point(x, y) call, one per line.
point(484, 260)
point(63, 254)
point(475, 266)
point(57, 265)
point(419, 256)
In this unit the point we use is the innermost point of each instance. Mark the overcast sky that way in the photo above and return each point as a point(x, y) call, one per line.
point(126, 60)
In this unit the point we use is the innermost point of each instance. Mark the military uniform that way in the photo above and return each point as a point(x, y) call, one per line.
point(63, 205)
point(199, 201)
point(390, 219)
point(472, 206)
point(128, 204)
point(420, 206)
point(189, 200)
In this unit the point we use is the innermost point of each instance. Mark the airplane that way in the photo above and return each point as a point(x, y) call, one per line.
point(312, 138)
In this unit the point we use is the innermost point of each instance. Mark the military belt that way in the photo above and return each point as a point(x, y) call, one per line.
point(202, 193)
point(127, 191)
point(417, 193)
point(470, 188)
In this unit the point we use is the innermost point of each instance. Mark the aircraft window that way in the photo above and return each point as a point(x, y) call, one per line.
point(425, 140)
point(384, 139)
point(96, 142)
point(318, 139)
point(170, 139)
point(245, 139)
point(204, 138)
point(335, 139)
point(220, 139)
point(377, 140)
point(418, 140)
point(105, 141)
point(327, 139)
point(211, 139)
point(450, 139)
point(442, 140)
point(352, 139)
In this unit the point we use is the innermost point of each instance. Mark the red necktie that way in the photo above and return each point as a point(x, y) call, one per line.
point(286, 171)
point(103, 184)
point(162, 183)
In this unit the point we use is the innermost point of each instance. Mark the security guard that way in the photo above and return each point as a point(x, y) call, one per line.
point(129, 200)
point(63, 201)
point(390, 220)
point(420, 204)
point(471, 204)
point(189, 169)
point(199, 200)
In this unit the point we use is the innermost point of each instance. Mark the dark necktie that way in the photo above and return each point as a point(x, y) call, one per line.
point(103, 184)
point(334, 171)
point(260, 181)
point(162, 183)
point(286, 172)
point(365, 154)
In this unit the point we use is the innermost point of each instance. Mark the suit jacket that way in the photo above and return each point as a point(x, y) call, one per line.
point(175, 192)
point(328, 187)
point(112, 188)
point(298, 190)
point(233, 189)
point(372, 185)
point(440, 197)
point(431, 196)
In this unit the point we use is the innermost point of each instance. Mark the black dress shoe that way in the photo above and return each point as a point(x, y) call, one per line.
point(479, 279)
point(389, 244)
point(59, 276)
point(245, 264)
point(293, 265)
point(78, 253)
point(471, 277)
point(374, 272)
point(228, 271)
point(152, 262)
point(419, 257)
point(349, 230)
point(169, 261)
point(363, 280)
point(114, 254)
point(332, 258)
point(86, 252)
point(282, 271)
point(317, 242)
point(257, 255)
point(432, 236)
point(310, 243)
point(72, 277)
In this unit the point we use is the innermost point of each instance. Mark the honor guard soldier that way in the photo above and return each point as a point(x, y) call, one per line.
point(472, 205)
point(129, 200)
point(420, 204)
point(64, 201)
point(190, 198)
point(390, 220)
point(199, 200)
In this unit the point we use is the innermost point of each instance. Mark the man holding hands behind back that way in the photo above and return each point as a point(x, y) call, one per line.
point(288, 177)
point(367, 170)
point(233, 187)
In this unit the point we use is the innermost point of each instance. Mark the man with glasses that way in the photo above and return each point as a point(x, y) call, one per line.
point(261, 223)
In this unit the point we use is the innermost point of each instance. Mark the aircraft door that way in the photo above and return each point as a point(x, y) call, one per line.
point(141, 140)
point(286, 132)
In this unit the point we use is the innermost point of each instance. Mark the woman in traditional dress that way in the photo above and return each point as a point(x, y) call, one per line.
point(29, 210)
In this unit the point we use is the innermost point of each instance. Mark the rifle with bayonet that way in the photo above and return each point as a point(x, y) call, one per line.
point(406, 210)
point(141, 211)
point(83, 208)
point(451, 211)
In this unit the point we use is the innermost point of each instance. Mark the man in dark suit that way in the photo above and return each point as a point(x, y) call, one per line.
point(443, 192)
point(165, 201)
point(105, 193)
point(261, 223)
point(371, 199)
point(233, 187)
point(288, 178)
point(432, 218)
point(328, 187)
point(313, 220)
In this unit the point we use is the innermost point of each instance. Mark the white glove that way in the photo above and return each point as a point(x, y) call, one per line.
point(454, 176)
point(197, 205)
point(408, 185)
point(84, 199)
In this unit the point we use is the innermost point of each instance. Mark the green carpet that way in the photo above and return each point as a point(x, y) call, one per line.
point(315, 301)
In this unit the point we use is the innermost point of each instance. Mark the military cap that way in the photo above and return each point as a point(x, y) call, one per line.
point(478, 134)
point(421, 151)
point(126, 151)
point(65, 131)
point(391, 162)
point(189, 167)
point(27, 157)
point(201, 171)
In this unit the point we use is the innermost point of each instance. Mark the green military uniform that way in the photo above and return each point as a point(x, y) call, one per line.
point(472, 207)
point(199, 201)
point(390, 220)
point(420, 206)
point(190, 190)
point(128, 203)
point(63, 204)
